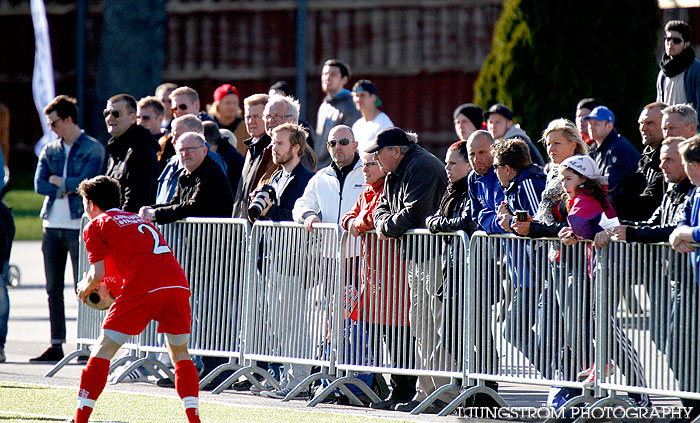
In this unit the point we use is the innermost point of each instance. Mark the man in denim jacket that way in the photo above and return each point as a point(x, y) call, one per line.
point(63, 164)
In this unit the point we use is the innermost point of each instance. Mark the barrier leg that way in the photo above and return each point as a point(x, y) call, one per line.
point(248, 372)
point(432, 397)
point(479, 389)
point(584, 398)
point(337, 384)
point(83, 351)
point(217, 371)
point(151, 365)
point(304, 384)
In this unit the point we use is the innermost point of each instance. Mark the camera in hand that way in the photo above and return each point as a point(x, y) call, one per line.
point(521, 215)
point(258, 204)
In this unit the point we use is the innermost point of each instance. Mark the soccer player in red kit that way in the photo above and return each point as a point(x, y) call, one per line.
point(154, 288)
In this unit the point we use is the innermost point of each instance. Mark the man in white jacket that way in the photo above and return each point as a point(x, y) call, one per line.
point(334, 189)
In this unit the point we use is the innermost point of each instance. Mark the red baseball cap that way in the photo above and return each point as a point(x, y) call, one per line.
point(225, 90)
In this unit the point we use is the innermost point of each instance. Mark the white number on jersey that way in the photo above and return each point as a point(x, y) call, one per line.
point(157, 248)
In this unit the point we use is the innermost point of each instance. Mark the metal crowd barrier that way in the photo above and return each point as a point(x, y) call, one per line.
point(290, 278)
point(529, 315)
point(663, 338)
point(478, 312)
point(401, 311)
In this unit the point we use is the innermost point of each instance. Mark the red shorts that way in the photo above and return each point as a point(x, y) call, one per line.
point(170, 307)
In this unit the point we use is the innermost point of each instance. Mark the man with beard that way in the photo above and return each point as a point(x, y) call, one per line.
point(288, 141)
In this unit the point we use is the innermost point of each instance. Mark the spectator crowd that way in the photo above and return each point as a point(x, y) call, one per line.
point(357, 169)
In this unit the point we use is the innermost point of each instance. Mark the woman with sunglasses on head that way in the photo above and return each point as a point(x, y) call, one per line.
point(678, 81)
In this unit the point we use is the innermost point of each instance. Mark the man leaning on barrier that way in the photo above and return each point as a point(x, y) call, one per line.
point(382, 292)
point(684, 341)
point(412, 191)
point(202, 189)
point(658, 228)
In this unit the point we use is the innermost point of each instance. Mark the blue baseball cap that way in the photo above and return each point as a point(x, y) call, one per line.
point(601, 113)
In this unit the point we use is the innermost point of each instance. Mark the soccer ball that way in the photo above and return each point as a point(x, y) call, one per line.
point(101, 298)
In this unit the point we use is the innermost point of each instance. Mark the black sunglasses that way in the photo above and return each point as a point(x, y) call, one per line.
point(115, 113)
point(182, 106)
point(676, 40)
point(342, 141)
point(53, 123)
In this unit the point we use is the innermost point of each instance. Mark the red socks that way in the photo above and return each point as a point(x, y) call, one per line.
point(187, 387)
point(92, 382)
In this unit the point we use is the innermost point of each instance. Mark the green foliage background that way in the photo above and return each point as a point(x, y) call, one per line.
point(546, 55)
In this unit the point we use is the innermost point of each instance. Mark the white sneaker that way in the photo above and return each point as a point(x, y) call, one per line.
point(135, 376)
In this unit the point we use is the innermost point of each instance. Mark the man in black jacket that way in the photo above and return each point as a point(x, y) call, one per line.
point(132, 153)
point(414, 186)
point(652, 135)
point(202, 190)
point(658, 229)
point(288, 142)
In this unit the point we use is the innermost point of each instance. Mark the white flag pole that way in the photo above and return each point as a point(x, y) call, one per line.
point(42, 79)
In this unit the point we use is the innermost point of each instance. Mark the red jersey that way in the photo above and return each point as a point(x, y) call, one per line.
point(140, 254)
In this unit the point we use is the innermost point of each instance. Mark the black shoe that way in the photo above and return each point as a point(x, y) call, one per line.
point(83, 359)
point(241, 385)
point(387, 404)
point(165, 383)
point(51, 356)
point(406, 407)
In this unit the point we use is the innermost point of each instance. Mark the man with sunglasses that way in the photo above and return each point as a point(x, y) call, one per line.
point(63, 164)
point(335, 188)
point(132, 153)
point(678, 81)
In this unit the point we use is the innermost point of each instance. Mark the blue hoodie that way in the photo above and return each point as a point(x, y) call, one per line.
point(525, 190)
point(523, 193)
point(485, 195)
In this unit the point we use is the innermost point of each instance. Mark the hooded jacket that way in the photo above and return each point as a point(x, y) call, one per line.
point(516, 132)
point(334, 111)
point(485, 195)
point(525, 190)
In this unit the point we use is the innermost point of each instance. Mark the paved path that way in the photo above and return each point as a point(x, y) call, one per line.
point(29, 335)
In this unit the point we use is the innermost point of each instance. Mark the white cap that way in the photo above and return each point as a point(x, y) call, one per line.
point(586, 166)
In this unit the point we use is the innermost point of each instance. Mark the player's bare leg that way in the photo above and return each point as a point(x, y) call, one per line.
point(186, 379)
point(94, 377)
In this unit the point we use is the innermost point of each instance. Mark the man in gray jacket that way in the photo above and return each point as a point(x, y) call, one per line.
point(499, 120)
point(413, 188)
point(337, 107)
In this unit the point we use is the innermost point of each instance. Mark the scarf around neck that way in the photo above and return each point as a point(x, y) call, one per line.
point(455, 191)
point(674, 65)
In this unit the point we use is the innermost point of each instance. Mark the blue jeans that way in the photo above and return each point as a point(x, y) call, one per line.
point(4, 304)
point(56, 244)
